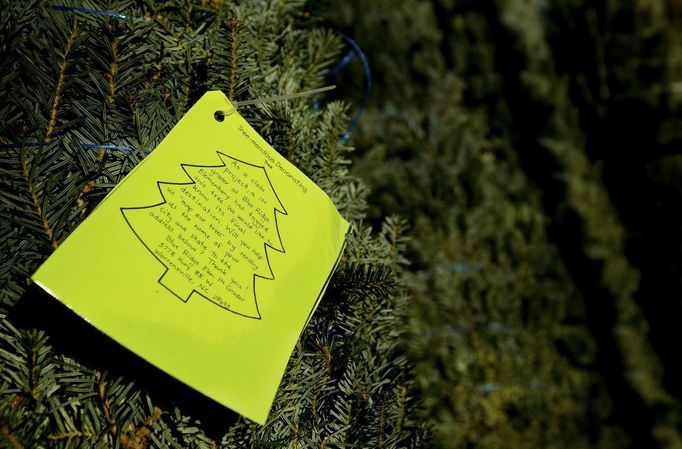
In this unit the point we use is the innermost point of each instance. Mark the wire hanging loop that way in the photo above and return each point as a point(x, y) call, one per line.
point(220, 115)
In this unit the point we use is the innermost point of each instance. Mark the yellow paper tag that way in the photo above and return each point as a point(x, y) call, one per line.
point(207, 260)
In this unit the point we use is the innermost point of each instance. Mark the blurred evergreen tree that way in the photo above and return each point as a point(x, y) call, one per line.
point(526, 328)
point(85, 96)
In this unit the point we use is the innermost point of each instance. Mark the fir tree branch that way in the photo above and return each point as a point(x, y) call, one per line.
point(60, 82)
point(141, 435)
point(186, 86)
point(156, 70)
point(106, 406)
point(382, 421)
point(101, 153)
point(294, 442)
point(33, 376)
point(401, 405)
point(37, 201)
point(233, 26)
point(9, 437)
point(363, 279)
point(327, 359)
point(113, 70)
point(70, 435)
point(54, 109)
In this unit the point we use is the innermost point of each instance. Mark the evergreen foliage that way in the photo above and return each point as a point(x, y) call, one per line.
point(487, 128)
point(84, 98)
point(530, 147)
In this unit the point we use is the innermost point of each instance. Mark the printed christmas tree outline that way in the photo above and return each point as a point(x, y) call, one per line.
point(255, 313)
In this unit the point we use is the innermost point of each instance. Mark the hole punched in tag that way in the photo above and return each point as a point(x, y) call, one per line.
point(220, 115)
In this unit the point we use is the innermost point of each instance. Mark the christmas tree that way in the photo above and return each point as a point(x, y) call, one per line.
point(530, 147)
point(488, 128)
point(88, 91)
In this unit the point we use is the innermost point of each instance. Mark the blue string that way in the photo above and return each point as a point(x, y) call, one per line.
point(494, 328)
point(463, 268)
point(342, 64)
point(97, 146)
point(368, 77)
point(333, 71)
point(98, 12)
point(106, 147)
point(87, 146)
point(19, 145)
point(490, 387)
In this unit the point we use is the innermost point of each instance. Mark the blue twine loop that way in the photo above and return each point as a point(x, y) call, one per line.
point(96, 146)
point(355, 50)
point(342, 64)
point(491, 387)
point(488, 388)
